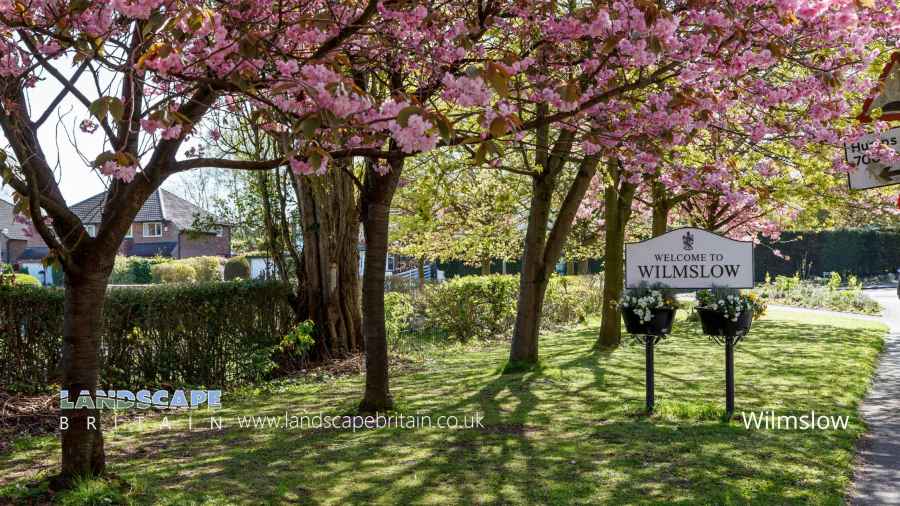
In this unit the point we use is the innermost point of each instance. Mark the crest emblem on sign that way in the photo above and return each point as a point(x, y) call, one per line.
point(688, 241)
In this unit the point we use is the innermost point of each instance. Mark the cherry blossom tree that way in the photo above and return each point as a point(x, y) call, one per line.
point(144, 74)
point(566, 86)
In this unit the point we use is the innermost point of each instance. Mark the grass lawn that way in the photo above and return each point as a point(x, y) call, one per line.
point(571, 432)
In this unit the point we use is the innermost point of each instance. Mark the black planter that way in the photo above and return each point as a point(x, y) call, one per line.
point(659, 325)
point(715, 323)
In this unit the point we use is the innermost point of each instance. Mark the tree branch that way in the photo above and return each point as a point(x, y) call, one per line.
point(62, 94)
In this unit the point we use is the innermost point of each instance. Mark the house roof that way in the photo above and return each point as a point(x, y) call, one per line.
point(161, 205)
point(152, 249)
point(8, 222)
point(35, 253)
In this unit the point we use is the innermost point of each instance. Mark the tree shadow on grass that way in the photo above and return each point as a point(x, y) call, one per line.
point(565, 433)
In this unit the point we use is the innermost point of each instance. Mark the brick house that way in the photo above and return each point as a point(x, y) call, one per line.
point(20, 246)
point(13, 236)
point(164, 226)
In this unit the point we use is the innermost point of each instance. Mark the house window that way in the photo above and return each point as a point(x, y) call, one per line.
point(129, 233)
point(390, 263)
point(220, 231)
point(91, 230)
point(153, 229)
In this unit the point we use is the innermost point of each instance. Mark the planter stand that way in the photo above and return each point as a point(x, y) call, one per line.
point(649, 334)
point(649, 341)
point(729, 335)
point(730, 342)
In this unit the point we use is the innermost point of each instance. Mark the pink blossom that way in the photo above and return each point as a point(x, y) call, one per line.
point(172, 132)
point(125, 173)
point(414, 137)
point(466, 91)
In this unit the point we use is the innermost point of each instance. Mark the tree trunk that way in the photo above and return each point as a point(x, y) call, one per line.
point(272, 241)
point(542, 250)
point(330, 259)
point(618, 198)
point(82, 441)
point(485, 267)
point(378, 191)
point(661, 208)
point(660, 220)
point(533, 276)
point(420, 271)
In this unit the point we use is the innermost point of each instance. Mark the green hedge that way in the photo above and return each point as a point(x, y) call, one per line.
point(484, 307)
point(203, 334)
point(858, 252)
point(237, 268)
point(142, 271)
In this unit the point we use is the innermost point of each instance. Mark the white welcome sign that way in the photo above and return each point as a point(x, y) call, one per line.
point(690, 258)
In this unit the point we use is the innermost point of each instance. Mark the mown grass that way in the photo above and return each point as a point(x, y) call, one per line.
point(570, 431)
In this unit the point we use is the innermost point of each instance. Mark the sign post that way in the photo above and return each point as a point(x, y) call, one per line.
point(690, 258)
point(649, 395)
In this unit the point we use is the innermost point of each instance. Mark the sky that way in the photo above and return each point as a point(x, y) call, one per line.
point(67, 148)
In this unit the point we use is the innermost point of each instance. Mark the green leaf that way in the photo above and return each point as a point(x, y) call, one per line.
point(103, 158)
point(310, 125)
point(99, 108)
point(445, 128)
point(405, 113)
point(480, 154)
point(315, 160)
point(116, 107)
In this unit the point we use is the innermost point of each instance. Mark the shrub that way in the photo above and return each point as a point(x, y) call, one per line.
point(300, 339)
point(142, 269)
point(209, 269)
point(26, 279)
point(571, 299)
point(121, 273)
point(398, 314)
point(9, 278)
point(174, 272)
point(131, 271)
point(237, 268)
point(484, 307)
point(792, 291)
point(293, 350)
point(211, 334)
point(834, 282)
point(480, 307)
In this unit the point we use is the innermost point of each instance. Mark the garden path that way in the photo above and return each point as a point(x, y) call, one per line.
point(877, 476)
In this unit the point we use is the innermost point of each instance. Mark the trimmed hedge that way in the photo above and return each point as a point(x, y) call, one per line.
point(174, 272)
point(860, 252)
point(202, 334)
point(142, 271)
